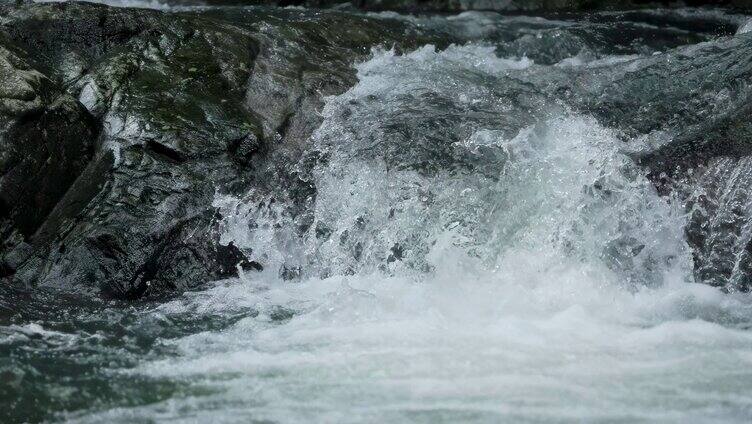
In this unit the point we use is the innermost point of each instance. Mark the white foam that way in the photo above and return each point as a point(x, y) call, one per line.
point(559, 289)
point(745, 28)
point(480, 347)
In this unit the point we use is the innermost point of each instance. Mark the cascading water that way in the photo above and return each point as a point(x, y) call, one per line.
point(460, 262)
point(475, 250)
point(432, 147)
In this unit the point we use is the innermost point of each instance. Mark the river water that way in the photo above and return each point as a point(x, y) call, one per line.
point(476, 251)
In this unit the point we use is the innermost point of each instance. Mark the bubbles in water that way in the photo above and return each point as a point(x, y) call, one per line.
point(474, 251)
point(427, 147)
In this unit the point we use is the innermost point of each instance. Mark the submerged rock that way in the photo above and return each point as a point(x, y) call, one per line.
point(690, 107)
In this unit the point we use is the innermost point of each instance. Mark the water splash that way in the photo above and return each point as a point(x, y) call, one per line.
point(428, 147)
point(539, 276)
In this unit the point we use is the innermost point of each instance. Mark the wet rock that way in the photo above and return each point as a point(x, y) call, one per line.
point(245, 147)
point(162, 96)
point(46, 141)
point(688, 109)
point(119, 126)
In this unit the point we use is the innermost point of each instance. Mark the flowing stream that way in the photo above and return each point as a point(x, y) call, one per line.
point(477, 251)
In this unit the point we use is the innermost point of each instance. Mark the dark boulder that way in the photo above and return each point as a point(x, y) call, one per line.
point(689, 108)
point(119, 127)
point(46, 141)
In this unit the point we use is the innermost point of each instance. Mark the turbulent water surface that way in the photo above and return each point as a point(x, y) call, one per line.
point(477, 250)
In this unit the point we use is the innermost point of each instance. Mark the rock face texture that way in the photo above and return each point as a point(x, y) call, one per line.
point(118, 126)
point(124, 142)
point(47, 141)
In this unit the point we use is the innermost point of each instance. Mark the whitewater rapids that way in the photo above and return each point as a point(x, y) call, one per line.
point(553, 286)
point(476, 251)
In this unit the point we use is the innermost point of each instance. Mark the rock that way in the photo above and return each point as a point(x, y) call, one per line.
point(139, 218)
point(46, 141)
point(119, 126)
point(691, 108)
point(245, 147)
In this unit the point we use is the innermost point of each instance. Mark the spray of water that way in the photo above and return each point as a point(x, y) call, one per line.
point(473, 252)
